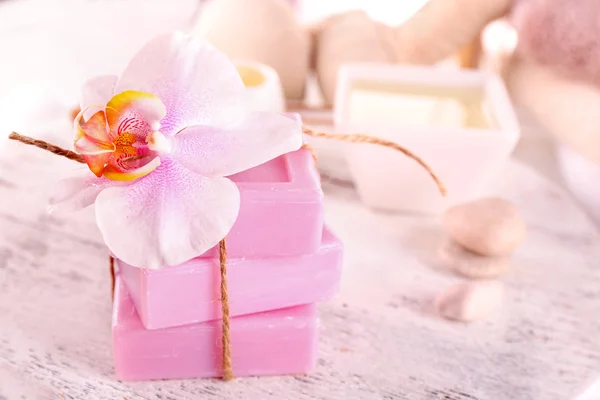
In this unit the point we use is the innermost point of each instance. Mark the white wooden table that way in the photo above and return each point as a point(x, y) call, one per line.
point(380, 338)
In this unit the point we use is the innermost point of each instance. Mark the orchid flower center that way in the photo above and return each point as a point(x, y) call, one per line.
point(122, 141)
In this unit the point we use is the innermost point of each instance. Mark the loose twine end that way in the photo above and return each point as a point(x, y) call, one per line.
point(359, 138)
point(59, 151)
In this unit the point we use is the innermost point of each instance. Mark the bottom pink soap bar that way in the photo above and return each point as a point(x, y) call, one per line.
point(270, 343)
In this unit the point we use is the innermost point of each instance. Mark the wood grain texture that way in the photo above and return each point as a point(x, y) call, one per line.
point(380, 338)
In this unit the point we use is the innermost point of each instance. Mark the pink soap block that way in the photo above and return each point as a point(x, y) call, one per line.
point(189, 293)
point(271, 343)
point(281, 210)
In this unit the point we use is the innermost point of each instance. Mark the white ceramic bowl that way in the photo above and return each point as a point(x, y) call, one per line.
point(466, 150)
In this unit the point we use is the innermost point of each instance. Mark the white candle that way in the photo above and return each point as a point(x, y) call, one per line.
point(263, 87)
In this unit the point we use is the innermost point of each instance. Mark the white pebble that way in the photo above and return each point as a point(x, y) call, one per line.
point(469, 301)
point(471, 265)
point(490, 227)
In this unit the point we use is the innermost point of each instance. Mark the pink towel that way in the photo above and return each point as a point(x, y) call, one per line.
point(561, 33)
point(564, 34)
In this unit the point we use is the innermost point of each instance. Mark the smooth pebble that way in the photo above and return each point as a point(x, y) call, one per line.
point(490, 226)
point(471, 265)
point(469, 301)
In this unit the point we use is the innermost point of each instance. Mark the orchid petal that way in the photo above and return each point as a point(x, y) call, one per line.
point(168, 217)
point(93, 143)
point(97, 162)
point(86, 145)
point(197, 83)
point(134, 112)
point(95, 127)
point(259, 138)
point(130, 173)
point(97, 92)
point(77, 191)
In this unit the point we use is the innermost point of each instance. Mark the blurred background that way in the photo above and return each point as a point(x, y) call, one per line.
point(49, 48)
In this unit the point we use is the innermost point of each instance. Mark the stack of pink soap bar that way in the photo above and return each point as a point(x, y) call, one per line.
point(281, 262)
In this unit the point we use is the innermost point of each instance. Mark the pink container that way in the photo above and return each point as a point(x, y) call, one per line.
point(271, 343)
point(189, 293)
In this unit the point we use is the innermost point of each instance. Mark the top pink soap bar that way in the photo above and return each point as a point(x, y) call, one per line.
point(281, 210)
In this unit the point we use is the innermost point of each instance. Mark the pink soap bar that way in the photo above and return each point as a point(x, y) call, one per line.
point(189, 293)
point(270, 343)
point(281, 210)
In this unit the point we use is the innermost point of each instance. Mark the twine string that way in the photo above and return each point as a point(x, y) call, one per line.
point(226, 335)
point(225, 319)
point(360, 138)
point(111, 266)
point(59, 151)
point(313, 152)
point(345, 137)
